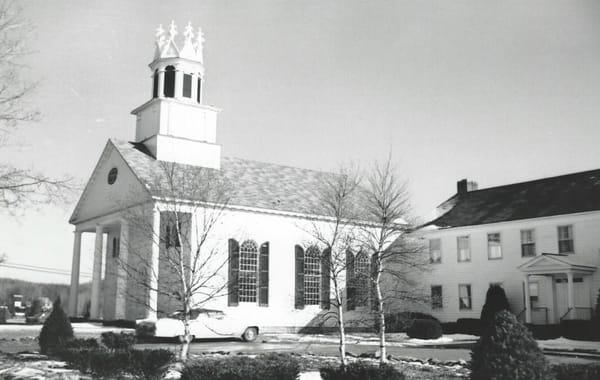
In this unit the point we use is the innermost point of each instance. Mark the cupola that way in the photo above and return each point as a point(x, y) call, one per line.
point(175, 125)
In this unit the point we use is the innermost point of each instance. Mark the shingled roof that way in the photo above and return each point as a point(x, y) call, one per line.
point(255, 184)
point(565, 194)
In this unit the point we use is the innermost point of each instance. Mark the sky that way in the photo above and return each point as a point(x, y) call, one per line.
point(494, 91)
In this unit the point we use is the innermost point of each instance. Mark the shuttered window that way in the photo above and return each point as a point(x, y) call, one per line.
point(312, 276)
point(247, 280)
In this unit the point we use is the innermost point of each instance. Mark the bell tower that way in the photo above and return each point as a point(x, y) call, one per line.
point(175, 125)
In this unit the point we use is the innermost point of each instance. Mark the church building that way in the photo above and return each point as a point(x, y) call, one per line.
point(270, 270)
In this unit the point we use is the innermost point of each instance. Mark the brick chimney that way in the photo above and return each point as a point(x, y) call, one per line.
point(463, 186)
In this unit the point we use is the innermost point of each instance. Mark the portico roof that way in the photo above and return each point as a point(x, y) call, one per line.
point(549, 263)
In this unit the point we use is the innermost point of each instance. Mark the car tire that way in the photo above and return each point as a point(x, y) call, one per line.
point(250, 334)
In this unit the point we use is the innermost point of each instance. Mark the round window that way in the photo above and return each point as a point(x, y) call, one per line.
point(112, 175)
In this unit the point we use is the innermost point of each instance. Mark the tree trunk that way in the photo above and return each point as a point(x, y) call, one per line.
point(185, 342)
point(342, 330)
point(381, 315)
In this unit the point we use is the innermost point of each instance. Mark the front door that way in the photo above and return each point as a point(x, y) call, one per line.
point(580, 293)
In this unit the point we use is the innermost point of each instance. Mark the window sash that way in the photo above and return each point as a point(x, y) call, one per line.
point(464, 292)
point(248, 272)
point(494, 246)
point(464, 249)
point(565, 239)
point(312, 276)
point(436, 297)
point(435, 251)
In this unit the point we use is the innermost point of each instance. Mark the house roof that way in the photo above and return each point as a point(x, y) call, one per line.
point(254, 184)
point(561, 195)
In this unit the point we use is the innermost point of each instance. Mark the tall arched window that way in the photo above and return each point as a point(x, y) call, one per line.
point(187, 85)
point(199, 90)
point(169, 87)
point(248, 271)
point(361, 278)
point(312, 276)
point(155, 84)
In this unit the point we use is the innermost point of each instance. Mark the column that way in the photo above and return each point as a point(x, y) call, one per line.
point(178, 83)
point(194, 86)
point(161, 83)
point(75, 265)
point(152, 306)
point(97, 274)
point(571, 296)
point(122, 272)
point(527, 301)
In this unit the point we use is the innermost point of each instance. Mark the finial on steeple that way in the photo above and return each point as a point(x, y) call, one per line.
point(160, 34)
point(172, 30)
point(189, 33)
point(200, 44)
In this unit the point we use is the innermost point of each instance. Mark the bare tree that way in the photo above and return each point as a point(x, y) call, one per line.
point(191, 201)
point(337, 197)
point(395, 255)
point(19, 186)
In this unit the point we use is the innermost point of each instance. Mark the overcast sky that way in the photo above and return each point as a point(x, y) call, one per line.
point(494, 91)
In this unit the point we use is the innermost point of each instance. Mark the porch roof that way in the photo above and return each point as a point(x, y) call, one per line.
point(550, 263)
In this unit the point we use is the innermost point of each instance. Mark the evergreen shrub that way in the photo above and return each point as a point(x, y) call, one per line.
point(121, 341)
point(495, 301)
point(425, 329)
point(56, 330)
point(401, 321)
point(272, 366)
point(361, 371)
point(471, 326)
point(508, 352)
point(569, 371)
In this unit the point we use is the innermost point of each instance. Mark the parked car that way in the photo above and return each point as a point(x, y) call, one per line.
point(204, 324)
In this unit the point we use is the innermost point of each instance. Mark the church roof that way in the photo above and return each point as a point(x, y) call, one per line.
point(255, 184)
point(561, 195)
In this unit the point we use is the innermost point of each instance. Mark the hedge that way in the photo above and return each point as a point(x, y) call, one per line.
point(272, 366)
point(425, 329)
point(361, 371)
point(401, 322)
point(471, 326)
point(568, 371)
point(114, 341)
point(579, 329)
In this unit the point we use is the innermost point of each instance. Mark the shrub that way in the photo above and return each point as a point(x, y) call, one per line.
point(495, 301)
point(361, 371)
point(545, 331)
point(56, 330)
point(145, 329)
point(470, 326)
point(122, 323)
point(449, 328)
point(267, 366)
point(401, 322)
point(425, 329)
point(78, 343)
point(568, 371)
point(578, 329)
point(114, 341)
point(508, 352)
point(149, 362)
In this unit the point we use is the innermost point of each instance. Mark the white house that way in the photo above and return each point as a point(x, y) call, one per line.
point(540, 240)
point(263, 229)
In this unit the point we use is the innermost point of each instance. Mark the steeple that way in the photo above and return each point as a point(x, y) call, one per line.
point(174, 125)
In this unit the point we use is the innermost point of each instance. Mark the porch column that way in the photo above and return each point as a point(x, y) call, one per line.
point(527, 300)
point(75, 265)
point(152, 306)
point(97, 274)
point(571, 296)
point(122, 272)
point(178, 83)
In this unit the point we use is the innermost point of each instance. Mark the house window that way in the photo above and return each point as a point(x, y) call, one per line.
point(435, 251)
point(464, 297)
point(361, 278)
point(494, 246)
point(436, 297)
point(534, 291)
point(464, 249)
point(172, 235)
point(312, 276)
point(115, 247)
point(169, 82)
point(248, 271)
point(187, 85)
point(565, 239)
point(527, 243)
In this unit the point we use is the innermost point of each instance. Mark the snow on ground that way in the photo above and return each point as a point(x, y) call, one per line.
point(80, 328)
point(569, 344)
point(393, 339)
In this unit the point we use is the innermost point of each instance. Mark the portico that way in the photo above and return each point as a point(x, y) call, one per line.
point(561, 287)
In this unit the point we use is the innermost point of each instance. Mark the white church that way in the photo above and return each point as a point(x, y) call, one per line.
point(271, 274)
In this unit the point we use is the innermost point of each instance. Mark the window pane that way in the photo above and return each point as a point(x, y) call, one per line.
point(361, 278)
point(248, 271)
point(565, 239)
point(464, 252)
point(435, 250)
point(187, 85)
point(494, 246)
point(312, 276)
point(436, 297)
point(464, 292)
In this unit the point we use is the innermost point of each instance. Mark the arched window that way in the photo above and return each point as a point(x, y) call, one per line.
point(312, 276)
point(248, 271)
point(361, 278)
point(199, 90)
point(155, 84)
point(169, 88)
point(187, 85)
